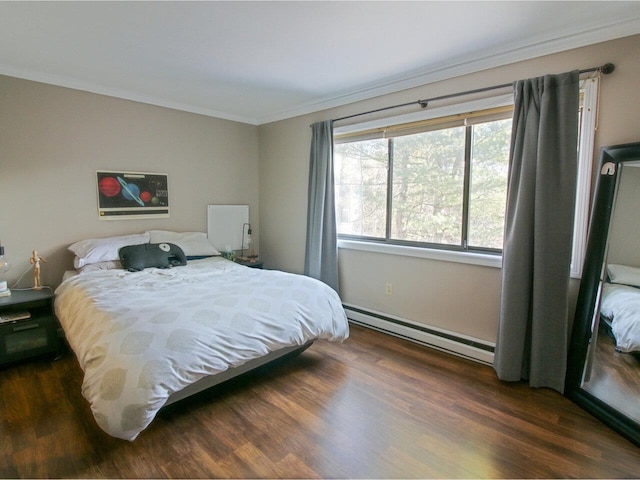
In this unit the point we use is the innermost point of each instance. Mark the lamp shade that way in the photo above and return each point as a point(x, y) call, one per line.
point(5, 266)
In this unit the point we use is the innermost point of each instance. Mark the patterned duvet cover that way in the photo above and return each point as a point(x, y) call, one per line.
point(141, 336)
point(621, 304)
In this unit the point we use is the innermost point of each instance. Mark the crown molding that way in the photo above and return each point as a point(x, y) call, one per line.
point(465, 66)
point(67, 82)
point(417, 78)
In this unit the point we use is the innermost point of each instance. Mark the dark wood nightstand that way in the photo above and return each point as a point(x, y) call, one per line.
point(36, 334)
point(253, 263)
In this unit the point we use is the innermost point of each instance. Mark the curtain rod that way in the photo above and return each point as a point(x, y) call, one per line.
point(606, 69)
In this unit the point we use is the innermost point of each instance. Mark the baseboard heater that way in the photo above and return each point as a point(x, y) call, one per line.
point(446, 341)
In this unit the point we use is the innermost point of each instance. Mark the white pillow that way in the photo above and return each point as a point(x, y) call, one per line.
point(108, 265)
point(624, 275)
point(193, 244)
point(96, 250)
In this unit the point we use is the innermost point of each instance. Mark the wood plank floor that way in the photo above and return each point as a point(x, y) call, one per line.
point(373, 407)
point(615, 377)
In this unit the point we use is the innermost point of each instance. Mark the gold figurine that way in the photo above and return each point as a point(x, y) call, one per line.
point(35, 261)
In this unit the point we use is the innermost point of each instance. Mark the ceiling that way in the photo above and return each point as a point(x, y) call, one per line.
point(257, 62)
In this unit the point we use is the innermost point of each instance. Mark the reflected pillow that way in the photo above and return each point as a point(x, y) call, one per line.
point(193, 244)
point(94, 250)
point(624, 275)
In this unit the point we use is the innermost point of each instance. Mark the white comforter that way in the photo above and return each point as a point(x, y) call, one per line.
point(621, 304)
point(141, 336)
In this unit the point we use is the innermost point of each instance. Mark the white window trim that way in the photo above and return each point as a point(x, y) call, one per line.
point(472, 258)
point(585, 165)
point(458, 108)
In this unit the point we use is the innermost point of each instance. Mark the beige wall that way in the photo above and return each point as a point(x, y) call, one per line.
point(456, 297)
point(53, 140)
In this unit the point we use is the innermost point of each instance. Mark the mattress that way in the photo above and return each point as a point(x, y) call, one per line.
point(142, 336)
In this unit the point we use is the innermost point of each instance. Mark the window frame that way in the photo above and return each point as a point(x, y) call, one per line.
point(588, 126)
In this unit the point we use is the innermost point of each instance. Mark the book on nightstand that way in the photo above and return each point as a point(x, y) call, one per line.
point(14, 316)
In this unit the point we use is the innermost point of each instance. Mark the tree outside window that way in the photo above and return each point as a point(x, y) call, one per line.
point(443, 187)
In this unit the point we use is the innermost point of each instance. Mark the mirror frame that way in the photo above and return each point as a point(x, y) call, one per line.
point(587, 306)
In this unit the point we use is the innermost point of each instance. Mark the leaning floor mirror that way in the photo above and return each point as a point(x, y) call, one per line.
point(603, 372)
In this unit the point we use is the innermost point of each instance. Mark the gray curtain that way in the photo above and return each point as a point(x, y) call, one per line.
point(321, 256)
point(533, 325)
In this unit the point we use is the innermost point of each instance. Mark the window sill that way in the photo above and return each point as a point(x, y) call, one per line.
point(471, 258)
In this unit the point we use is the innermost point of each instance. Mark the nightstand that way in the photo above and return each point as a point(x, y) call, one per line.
point(34, 335)
point(254, 263)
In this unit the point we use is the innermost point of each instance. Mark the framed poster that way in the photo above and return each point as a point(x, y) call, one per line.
point(128, 195)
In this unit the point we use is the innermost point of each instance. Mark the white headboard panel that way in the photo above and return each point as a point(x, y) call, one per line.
point(225, 224)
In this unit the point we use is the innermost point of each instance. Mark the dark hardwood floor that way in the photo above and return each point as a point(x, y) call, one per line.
point(615, 377)
point(373, 407)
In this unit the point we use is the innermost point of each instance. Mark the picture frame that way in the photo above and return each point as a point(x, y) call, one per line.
point(132, 195)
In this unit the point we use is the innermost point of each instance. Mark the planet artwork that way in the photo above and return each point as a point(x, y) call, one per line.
point(132, 193)
point(109, 186)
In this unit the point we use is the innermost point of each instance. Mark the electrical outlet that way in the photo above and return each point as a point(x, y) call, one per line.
point(388, 289)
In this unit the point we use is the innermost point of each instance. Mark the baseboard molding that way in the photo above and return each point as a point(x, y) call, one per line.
point(438, 338)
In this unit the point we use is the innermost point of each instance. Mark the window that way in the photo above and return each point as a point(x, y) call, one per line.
point(438, 183)
point(390, 200)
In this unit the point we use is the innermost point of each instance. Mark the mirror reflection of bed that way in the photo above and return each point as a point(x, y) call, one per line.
point(612, 372)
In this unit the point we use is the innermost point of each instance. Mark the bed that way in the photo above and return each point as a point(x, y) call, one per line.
point(620, 306)
point(149, 338)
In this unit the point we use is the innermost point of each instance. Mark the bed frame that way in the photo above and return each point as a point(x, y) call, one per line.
point(213, 380)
